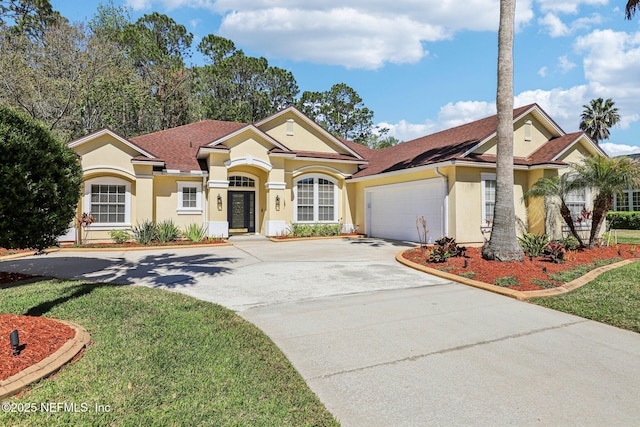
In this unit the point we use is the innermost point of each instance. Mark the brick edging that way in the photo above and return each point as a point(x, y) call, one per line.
point(48, 365)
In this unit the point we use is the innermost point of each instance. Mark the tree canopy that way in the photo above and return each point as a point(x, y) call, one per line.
point(135, 77)
point(40, 179)
point(598, 117)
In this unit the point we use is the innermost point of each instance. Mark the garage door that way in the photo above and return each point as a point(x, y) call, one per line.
point(392, 209)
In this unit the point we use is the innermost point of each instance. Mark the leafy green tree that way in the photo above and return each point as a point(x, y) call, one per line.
point(158, 47)
point(631, 8)
point(44, 76)
point(40, 180)
point(557, 186)
point(240, 88)
point(30, 17)
point(607, 177)
point(341, 111)
point(598, 117)
point(503, 243)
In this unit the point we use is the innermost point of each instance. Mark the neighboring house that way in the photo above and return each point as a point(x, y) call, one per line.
point(261, 177)
point(629, 200)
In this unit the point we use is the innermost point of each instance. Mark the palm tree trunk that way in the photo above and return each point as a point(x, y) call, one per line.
point(568, 219)
point(503, 244)
point(601, 205)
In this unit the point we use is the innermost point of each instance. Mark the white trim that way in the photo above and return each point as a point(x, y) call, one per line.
point(202, 151)
point(146, 163)
point(109, 132)
point(256, 190)
point(249, 161)
point(86, 202)
point(542, 117)
point(217, 184)
point(218, 229)
point(285, 155)
point(315, 125)
point(328, 169)
point(175, 172)
point(189, 211)
point(483, 178)
point(315, 177)
point(320, 159)
point(275, 185)
point(275, 227)
point(248, 128)
point(402, 171)
point(107, 167)
point(589, 141)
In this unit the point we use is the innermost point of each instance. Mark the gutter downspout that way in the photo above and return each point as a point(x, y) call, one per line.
point(205, 202)
point(445, 214)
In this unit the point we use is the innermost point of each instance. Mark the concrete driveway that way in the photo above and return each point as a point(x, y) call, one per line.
point(383, 345)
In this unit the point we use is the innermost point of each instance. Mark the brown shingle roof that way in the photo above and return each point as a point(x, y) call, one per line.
point(452, 144)
point(179, 146)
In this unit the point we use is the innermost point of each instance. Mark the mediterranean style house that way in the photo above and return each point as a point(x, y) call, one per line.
point(262, 177)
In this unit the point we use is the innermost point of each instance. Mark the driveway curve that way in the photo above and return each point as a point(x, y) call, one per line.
point(383, 345)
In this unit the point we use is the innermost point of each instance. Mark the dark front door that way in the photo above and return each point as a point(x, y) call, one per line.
point(241, 214)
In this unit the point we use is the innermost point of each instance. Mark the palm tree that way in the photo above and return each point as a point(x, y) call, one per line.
point(632, 7)
point(557, 186)
point(503, 244)
point(607, 176)
point(598, 117)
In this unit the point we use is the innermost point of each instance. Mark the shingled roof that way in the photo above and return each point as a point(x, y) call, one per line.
point(178, 147)
point(457, 144)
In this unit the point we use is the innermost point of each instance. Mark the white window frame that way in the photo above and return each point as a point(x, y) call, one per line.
point(629, 208)
point(189, 210)
point(484, 177)
point(127, 202)
point(316, 213)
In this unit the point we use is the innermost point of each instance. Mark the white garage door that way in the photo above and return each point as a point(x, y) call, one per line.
point(392, 209)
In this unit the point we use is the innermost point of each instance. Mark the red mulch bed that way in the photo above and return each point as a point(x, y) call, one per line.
point(39, 338)
point(153, 244)
point(5, 252)
point(525, 272)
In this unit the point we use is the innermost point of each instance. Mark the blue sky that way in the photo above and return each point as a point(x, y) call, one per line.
point(426, 65)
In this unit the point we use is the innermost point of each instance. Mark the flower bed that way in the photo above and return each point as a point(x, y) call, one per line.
point(39, 338)
point(155, 243)
point(528, 275)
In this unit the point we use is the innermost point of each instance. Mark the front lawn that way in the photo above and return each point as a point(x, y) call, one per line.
point(160, 358)
point(630, 237)
point(613, 298)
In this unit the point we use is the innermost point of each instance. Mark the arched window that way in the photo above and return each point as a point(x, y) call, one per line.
point(316, 199)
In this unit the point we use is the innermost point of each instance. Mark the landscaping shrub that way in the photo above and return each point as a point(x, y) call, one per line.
point(144, 233)
point(570, 243)
point(310, 230)
point(120, 236)
point(195, 232)
point(623, 220)
point(445, 248)
point(555, 252)
point(167, 231)
point(533, 244)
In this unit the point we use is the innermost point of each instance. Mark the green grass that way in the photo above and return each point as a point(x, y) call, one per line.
point(613, 298)
point(506, 281)
point(161, 359)
point(580, 270)
point(631, 237)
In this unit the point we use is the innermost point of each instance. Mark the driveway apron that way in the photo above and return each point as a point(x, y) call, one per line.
point(383, 345)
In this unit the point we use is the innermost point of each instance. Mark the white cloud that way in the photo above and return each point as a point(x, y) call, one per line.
point(352, 33)
point(567, 6)
point(565, 64)
point(406, 131)
point(542, 72)
point(553, 25)
point(619, 149)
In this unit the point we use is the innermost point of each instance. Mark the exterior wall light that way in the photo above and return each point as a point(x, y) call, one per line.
point(219, 202)
point(15, 342)
point(277, 203)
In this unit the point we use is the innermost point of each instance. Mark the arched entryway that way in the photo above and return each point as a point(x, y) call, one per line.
point(242, 208)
